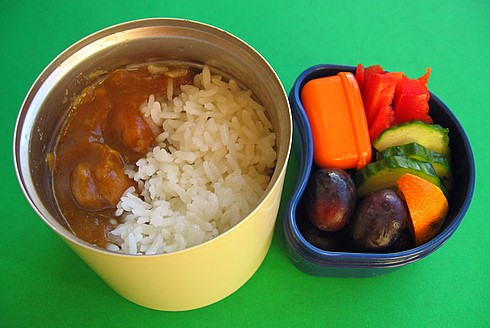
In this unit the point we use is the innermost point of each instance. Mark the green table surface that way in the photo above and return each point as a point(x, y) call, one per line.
point(43, 283)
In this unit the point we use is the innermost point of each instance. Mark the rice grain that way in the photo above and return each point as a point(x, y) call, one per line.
point(214, 155)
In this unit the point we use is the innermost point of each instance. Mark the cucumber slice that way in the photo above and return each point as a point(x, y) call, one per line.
point(439, 162)
point(431, 136)
point(384, 173)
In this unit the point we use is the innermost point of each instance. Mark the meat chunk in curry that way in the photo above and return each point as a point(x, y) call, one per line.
point(98, 181)
point(105, 133)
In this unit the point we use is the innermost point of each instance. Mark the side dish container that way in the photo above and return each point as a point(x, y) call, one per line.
point(333, 105)
point(318, 262)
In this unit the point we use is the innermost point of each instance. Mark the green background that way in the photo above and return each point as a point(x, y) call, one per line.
point(43, 283)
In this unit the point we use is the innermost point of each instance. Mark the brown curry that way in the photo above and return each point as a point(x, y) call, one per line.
point(105, 133)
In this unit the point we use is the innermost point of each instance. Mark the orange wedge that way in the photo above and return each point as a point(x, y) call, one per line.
point(426, 204)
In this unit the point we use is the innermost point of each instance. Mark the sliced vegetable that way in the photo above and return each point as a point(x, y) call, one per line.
point(431, 136)
point(414, 150)
point(383, 120)
point(363, 73)
point(360, 76)
point(384, 173)
point(378, 93)
point(427, 205)
point(411, 100)
point(383, 92)
point(425, 78)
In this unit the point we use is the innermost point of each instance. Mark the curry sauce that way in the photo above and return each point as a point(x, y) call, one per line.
point(105, 133)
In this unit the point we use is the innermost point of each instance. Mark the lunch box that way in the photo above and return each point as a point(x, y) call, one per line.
point(169, 281)
point(318, 262)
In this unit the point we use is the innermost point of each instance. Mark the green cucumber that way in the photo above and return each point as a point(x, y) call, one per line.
point(431, 136)
point(439, 162)
point(384, 173)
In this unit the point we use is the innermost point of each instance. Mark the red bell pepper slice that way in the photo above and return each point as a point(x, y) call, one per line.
point(397, 75)
point(411, 100)
point(360, 76)
point(379, 90)
point(384, 118)
point(373, 69)
point(392, 98)
point(425, 78)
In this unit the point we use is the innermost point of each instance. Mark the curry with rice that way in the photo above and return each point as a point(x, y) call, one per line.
point(106, 133)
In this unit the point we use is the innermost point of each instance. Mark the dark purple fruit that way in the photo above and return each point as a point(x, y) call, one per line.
point(379, 220)
point(330, 199)
point(403, 243)
point(328, 241)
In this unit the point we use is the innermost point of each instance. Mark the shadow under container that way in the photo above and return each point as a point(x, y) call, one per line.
point(319, 262)
point(194, 277)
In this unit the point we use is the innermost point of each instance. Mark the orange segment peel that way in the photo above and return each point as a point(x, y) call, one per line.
point(427, 205)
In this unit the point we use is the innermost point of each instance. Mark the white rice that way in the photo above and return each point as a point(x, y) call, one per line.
point(211, 165)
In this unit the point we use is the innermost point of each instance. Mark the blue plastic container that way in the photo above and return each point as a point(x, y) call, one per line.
point(319, 262)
